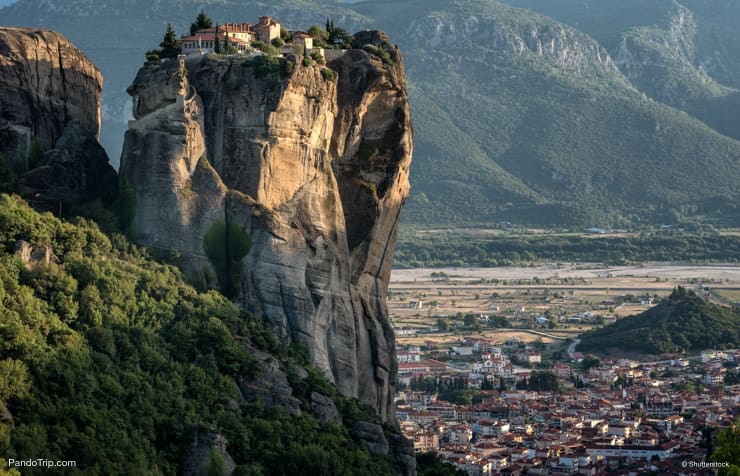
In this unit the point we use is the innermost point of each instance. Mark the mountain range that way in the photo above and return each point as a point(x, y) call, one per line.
point(557, 112)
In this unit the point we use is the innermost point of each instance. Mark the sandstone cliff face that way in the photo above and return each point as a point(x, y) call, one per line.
point(45, 85)
point(50, 121)
point(313, 170)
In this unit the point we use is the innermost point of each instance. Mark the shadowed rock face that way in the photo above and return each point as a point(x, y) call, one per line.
point(45, 85)
point(50, 120)
point(314, 171)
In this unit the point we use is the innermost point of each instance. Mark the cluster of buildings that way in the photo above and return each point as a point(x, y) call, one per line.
point(490, 362)
point(621, 417)
point(240, 36)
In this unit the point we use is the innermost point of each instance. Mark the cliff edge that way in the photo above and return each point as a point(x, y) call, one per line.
point(281, 181)
point(50, 95)
point(46, 84)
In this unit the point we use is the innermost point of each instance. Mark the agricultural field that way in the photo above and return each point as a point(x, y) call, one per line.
point(548, 304)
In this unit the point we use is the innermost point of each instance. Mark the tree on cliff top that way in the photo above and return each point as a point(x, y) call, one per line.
point(202, 22)
point(338, 37)
point(170, 47)
point(217, 43)
point(320, 36)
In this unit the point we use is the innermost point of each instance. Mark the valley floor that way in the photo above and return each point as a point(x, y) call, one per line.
point(490, 378)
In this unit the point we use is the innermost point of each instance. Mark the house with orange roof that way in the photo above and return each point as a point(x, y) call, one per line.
point(267, 29)
point(240, 36)
point(204, 41)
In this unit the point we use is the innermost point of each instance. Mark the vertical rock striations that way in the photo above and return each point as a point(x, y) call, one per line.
point(308, 169)
point(46, 83)
point(50, 121)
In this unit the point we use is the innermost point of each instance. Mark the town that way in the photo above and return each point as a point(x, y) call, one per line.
point(618, 413)
point(522, 400)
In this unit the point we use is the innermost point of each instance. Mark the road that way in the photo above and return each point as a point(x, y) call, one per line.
point(572, 347)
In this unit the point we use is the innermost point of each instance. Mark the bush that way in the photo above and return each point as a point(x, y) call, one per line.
point(269, 50)
point(328, 74)
point(320, 36)
point(379, 52)
point(318, 57)
point(266, 66)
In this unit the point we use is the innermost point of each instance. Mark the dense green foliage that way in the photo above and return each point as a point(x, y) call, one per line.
point(430, 464)
point(108, 358)
point(169, 45)
point(541, 381)
point(225, 245)
point(726, 450)
point(202, 21)
point(456, 249)
point(12, 168)
point(682, 323)
point(266, 66)
point(337, 37)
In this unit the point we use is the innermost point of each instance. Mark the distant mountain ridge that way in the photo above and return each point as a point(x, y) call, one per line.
point(625, 115)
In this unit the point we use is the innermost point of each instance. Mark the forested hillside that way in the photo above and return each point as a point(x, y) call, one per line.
point(542, 126)
point(108, 358)
point(683, 323)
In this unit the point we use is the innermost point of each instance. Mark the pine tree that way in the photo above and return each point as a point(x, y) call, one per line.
point(217, 43)
point(202, 22)
point(170, 46)
point(228, 48)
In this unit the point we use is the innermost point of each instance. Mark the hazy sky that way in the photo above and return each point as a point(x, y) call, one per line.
point(5, 3)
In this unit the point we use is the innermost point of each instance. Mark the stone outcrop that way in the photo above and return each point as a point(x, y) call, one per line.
point(46, 83)
point(270, 385)
point(75, 171)
point(306, 172)
point(207, 454)
point(324, 408)
point(43, 255)
point(661, 61)
point(372, 436)
point(50, 120)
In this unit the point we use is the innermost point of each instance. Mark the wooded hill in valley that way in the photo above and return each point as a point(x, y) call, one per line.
point(683, 323)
